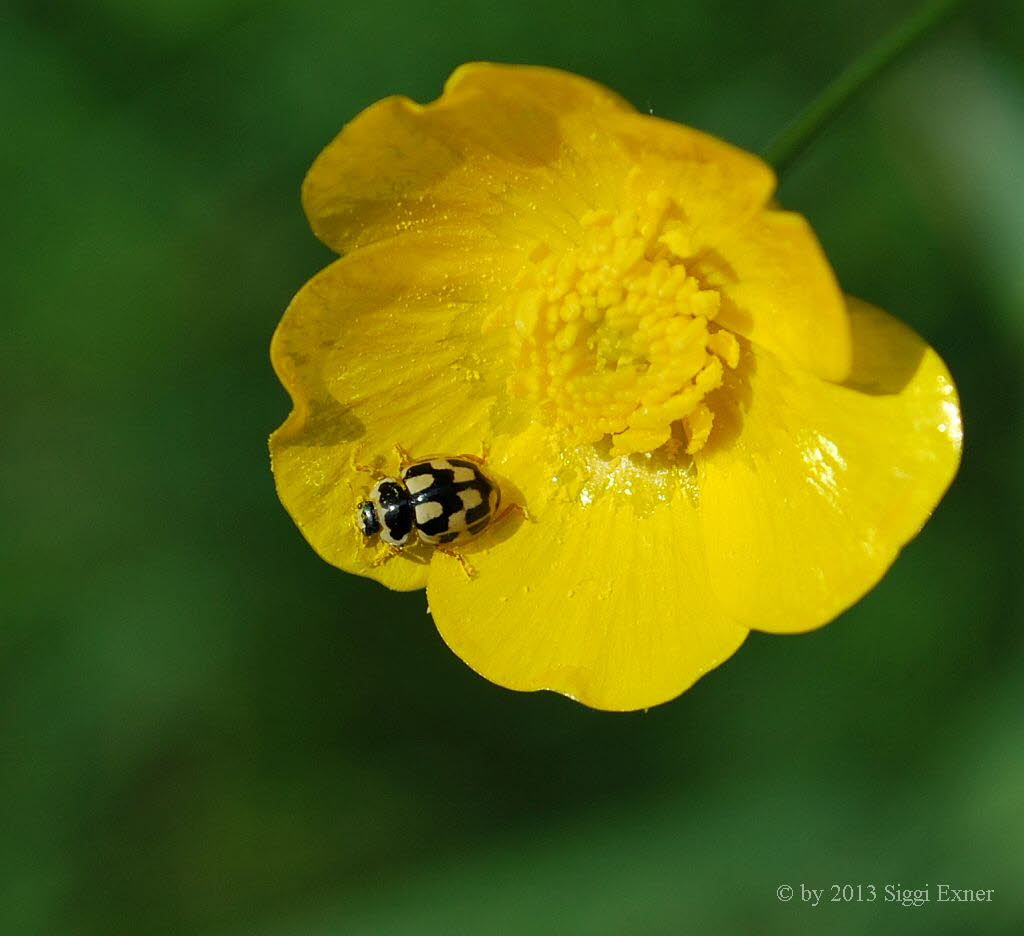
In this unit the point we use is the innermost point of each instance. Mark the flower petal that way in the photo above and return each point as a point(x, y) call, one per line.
point(779, 291)
point(495, 153)
point(715, 180)
point(820, 485)
point(715, 183)
point(518, 152)
point(381, 348)
point(559, 92)
point(596, 599)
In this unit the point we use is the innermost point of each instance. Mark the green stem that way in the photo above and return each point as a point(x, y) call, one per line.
point(817, 115)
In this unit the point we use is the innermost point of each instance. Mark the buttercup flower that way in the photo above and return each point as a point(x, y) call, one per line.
point(707, 435)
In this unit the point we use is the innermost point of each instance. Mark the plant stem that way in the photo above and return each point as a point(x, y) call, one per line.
point(817, 115)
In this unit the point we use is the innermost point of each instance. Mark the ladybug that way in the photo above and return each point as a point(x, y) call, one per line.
point(439, 501)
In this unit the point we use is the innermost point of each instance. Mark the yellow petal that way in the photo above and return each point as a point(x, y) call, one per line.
point(560, 92)
point(601, 595)
point(714, 183)
point(779, 291)
point(812, 488)
point(499, 153)
point(714, 180)
point(382, 348)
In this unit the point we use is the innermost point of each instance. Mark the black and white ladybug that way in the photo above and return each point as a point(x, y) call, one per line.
point(439, 501)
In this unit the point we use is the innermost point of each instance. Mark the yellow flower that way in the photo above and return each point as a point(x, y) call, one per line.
point(709, 438)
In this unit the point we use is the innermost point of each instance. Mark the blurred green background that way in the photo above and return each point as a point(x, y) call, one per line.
point(207, 730)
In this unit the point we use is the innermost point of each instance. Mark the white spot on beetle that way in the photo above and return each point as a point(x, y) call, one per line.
point(470, 498)
point(418, 483)
point(428, 511)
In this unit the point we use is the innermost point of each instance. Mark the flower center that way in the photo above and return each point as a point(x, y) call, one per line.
point(614, 338)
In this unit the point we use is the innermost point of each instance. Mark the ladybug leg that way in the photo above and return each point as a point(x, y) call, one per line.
point(389, 553)
point(404, 458)
point(368, 469)
point(462, 560)
point(481, 459)
point(511, 509)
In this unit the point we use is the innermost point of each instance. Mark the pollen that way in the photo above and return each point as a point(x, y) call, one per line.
point(614, 338)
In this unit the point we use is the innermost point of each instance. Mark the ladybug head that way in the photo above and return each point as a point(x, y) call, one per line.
point(369, 522)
